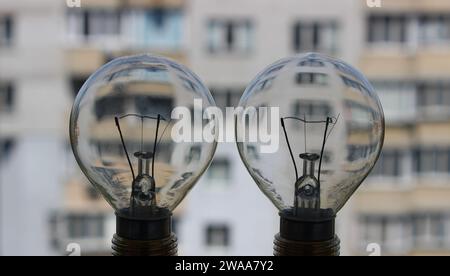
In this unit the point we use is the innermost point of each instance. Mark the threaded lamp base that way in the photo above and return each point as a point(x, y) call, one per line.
point(162, 247)
point(284, 247)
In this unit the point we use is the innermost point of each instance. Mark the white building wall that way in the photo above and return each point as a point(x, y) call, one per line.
point(238, 204)
point(30, 179)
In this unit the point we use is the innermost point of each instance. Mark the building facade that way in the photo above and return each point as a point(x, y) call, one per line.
point(33, 145)
point(47, 50)
point(404, 206)
point(95, 34)
point(228, 46)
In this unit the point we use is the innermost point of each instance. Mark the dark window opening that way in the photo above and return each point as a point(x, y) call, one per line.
point(6, 148)
point(151, 105)
point(220, 170)
point(230, 36)
point(76, 84)
point(7, 97)
point(388, 164)
point(6, 30)
point(109, 106)
point(85, 226)
point(391, 28)
point(218, 236)
point(312, 78)
point(315, 36)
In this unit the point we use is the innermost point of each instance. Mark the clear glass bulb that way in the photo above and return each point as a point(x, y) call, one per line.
point(330, 129)
point(121, 133)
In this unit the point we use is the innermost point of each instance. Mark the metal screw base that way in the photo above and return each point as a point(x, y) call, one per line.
point(284, 247)
point(163, 247)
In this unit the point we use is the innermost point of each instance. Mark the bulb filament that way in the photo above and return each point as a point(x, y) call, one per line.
point(307, 186)
point(143, 188)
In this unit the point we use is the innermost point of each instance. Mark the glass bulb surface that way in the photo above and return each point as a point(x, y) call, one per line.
point(121, 133)
point(331, 132)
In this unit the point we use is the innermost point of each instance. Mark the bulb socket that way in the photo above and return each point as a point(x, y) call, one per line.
point(161, 247)
point(284, 247)
point(310, 232)
point(144, 236)
point(309, 225)
point(154, 227)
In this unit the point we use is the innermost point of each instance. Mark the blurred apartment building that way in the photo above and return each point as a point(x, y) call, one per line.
point(230, 42)
point(33, 145)
point(47, 51)
point(96, 33)
point(405, 205)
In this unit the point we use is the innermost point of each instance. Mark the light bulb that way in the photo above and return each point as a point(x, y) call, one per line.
point(330, 126)
point(121, 134)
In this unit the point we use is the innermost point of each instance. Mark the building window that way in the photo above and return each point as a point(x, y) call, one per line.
point(76, 84)
point(356, 152)
point(434, 94)
point(93, 23)
point(436, 160)
point(218, 236)
point(434, 99)
point(316, 36)
point(400, 234)
point(373, 229)
point(230, 36)
point(387, 29)
point(312, 110)
point(434, 29)
point(388, 231)
point(311, 63)
point(359, 114)
point(219, 174)
point(388, 164)
point(156, 28)
point(109, 106)
point(166, 30)
point(6, 31)
point(145, 105)
point(85, 226)
point(227, 97)
point(154, 105)
point(398, 99)
point(312, 79)
point(429, 230)
point(53, 229)
point(6, 147)
point(7, 98)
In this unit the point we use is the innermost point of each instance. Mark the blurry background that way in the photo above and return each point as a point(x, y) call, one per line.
point(47, 50)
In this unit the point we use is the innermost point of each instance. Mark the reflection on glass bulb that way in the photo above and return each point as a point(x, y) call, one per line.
point(120, 130)
point(332, 126)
